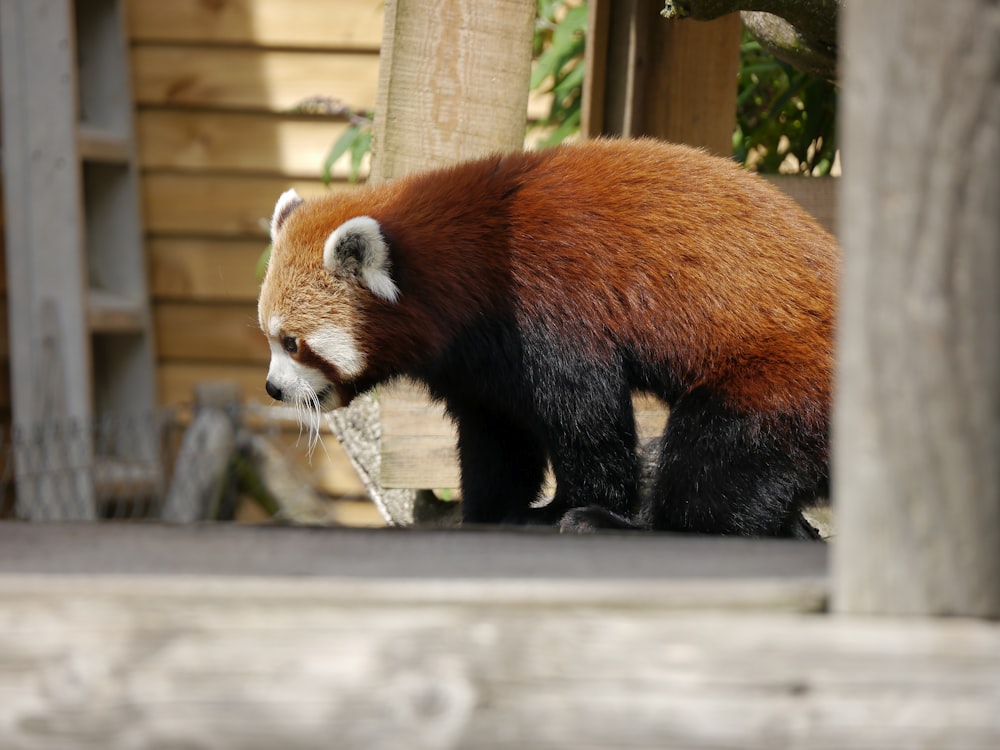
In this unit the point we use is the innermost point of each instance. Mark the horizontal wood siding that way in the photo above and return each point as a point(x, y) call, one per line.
point(218, 87)
point(221, 133)
point(302, 24)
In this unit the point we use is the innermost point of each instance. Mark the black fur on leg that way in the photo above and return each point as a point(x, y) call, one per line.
point(592, 519)
point(724, 472)
point(502, 467)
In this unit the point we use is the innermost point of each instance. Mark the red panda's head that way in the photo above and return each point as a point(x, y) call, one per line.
point(322, 275)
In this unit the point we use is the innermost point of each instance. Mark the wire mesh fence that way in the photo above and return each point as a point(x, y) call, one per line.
point(175, 465)
point(112, 467)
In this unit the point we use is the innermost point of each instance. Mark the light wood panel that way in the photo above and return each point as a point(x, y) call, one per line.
point(209, 333)
point(917, 417)
point(250, 79)
point(217, 205)
point(444, 662)
point(238, 142)
point(340, 24)
point(667, 79)
point(176, 380)
point(419, 442)
point(204, 270)
point(453, 83)
point(817, 195)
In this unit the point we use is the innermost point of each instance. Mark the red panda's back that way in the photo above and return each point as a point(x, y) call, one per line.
point(669, 249)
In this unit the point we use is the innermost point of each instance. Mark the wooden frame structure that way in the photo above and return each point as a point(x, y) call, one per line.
point(251, 638)
point(80, 318)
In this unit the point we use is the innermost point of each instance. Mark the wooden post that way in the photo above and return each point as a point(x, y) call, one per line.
point(453, 82)
point(917, 423)
point(49, 341)
point(674, 80)
point(453, 85)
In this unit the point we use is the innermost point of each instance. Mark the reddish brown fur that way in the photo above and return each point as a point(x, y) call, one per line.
point(737, 291)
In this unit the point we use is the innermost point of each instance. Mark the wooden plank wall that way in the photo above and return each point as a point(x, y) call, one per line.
point(5, 413)
point(216, 86)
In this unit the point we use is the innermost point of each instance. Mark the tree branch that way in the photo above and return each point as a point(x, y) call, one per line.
point(801, 32)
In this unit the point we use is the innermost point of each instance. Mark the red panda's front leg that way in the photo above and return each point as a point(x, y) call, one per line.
point(502, 467)
point(590, 434)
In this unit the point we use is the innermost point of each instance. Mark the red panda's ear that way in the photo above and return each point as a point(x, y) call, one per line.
point(288, 201)
point(357, 248)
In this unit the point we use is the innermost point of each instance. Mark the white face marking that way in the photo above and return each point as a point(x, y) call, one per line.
point(302, 384)
point(299, 383)
point(338, 347)
point(273, 328)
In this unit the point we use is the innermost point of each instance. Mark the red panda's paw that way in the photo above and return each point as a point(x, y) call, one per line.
point(592, 519)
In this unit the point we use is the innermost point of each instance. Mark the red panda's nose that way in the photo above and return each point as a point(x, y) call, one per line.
point(272, 390)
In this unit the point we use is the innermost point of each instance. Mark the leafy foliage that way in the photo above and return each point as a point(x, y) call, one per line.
point(356, 140)
point(560, 38)
point(782, 112)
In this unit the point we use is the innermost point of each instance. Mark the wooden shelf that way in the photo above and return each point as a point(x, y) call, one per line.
point(108, 312)
point(102, 145)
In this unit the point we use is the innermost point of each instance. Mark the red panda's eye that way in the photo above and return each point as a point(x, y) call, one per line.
point(290, 344)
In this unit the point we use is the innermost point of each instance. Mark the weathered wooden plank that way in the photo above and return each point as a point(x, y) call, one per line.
point(207, 270)
point(529, 556)
point(418, 440)
point(249, 78)
point(241, 142)
point(217, 205)
point(669, 79)
point(817, 195)
point(611, 646)
point(917, 419)
point(453, 82)
point(176, 379)
point(45, 250)
point(216, 332)
point(4, 331)
point(317, 24)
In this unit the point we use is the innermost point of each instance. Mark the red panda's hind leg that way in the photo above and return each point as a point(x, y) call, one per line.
point(722, 471)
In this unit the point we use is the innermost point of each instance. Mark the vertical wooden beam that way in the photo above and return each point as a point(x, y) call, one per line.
point(917, 425)
point(453, 85)
point(49, 342)
point(453, 82)
point(674, 80)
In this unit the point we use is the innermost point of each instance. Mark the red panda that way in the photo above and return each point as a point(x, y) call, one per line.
point(534, 292)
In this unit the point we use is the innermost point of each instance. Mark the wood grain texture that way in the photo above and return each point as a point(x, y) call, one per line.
point(317, 24)
point(453, 82)
point(252, 79)
point(674, 80)
point(195, 332)
point(251, 143)
point(208, 270)
point(819, 196)
point(419, 441)
point(176, 380)
point(917, 423)
point(254, 663)
point(217, 205)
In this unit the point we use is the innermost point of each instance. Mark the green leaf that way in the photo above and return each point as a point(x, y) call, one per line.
point(346, 142)
point(359, 149)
